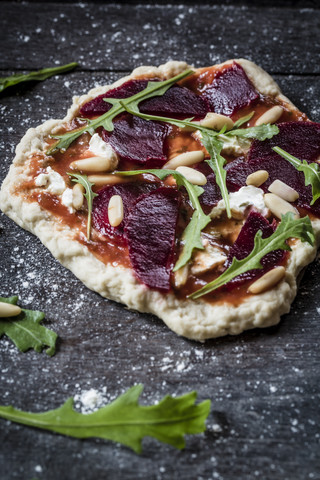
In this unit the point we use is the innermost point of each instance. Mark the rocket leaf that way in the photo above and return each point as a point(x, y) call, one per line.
point(89, 195)
point(25, 330)
point(311, 171)
point(123, 420)
point(288, 228)
point(6, 82)
point(153, 89)
point(191, 238)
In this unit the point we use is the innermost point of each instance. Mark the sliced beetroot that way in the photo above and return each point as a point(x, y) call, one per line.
point(244, 245)
point(129, 193)
point(301, 139)
point(230, 91)
point(150, 232)
point(139, 141)
point(98, 106)
point(177, 102)
point(212, 193)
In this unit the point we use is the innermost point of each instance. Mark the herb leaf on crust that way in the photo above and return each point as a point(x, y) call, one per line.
point(153, 89)
point(311, 171)
point(89, 195)
point(25, 330)
point(43, 74)
point(288, 228)
point(123, 420)
point(191, 237)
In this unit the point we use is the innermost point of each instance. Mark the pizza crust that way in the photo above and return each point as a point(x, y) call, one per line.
point(197, 320)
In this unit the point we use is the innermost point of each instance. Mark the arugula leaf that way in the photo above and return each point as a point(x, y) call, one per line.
point(6, 82)
point(123, 420)
point(261, 132)
point(89, 195)
point(191, 237)
point(311, 171)
point(214, 146)
point(25, 330)
point(288, 228)
point(153, 89)
point(243, 120)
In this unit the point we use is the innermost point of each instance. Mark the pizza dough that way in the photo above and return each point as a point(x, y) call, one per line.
point(198, 319)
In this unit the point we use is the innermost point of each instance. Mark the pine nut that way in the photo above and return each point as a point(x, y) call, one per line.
point(100, 180)
point(181, 276)
point(278, 206)
point(257, 178)
point(270, 116)
point(8, 310)
point(77, 196)
point(268, 280)
point(115, 210)
point(216, 121)
point(94, 164)
point(185, 159)
point(284, 191)
point(192, 175)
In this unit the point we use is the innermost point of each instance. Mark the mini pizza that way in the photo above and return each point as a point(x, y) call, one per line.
point(188, 193)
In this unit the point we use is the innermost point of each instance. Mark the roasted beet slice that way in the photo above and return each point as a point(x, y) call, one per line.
point(244, 245)
point(211, 194)
point(139, 141)
point(177, 102)
point(301, 139)
point(129, 193)
point(98, 106)
point(150, 231)
point(230, 91)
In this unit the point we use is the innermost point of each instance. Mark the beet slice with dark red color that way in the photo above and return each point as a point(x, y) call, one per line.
point(243, 246)
point(129, 193)
point(177, 102)
point(212, 194)
point(150, 232)
point(139, 141)
point(230, 90)
point(98, 106)
point(301, 139)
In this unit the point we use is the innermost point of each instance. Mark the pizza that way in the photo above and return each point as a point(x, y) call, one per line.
point(192, 194)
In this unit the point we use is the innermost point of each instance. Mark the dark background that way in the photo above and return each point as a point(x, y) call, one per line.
point(264, 384)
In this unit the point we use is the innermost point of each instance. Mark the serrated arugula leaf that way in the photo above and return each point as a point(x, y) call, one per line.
point(216, 161)
point(89, 195)
point(288, 228)
point(261, 132)
point(43, 74)
point(153, 89)
point(311, 171)
point(191, 237)
point(123, 420)
point(243, 120)
point(25, 330)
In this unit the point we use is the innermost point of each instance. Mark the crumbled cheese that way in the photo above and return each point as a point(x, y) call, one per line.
point(52, 180)
point(235, 145)
point(207, 259)
point(100, 148)
point(67, 199)
point(240, 200)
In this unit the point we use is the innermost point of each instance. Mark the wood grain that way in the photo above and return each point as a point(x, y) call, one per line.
point(264, 384)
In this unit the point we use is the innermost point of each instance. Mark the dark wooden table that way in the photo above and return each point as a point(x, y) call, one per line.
point(264, 384)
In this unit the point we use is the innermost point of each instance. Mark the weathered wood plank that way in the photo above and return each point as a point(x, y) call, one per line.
point(120, 36)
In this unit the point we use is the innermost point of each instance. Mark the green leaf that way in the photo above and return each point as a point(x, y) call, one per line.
point(288, 228)
point(311, 171)
point(153, 89)
point(89, 195)
point(25, 330)
point(216, 162)
point(243, 120)
point(191, 237)
point(261, 132)
point(6, 82)
point(123, 420)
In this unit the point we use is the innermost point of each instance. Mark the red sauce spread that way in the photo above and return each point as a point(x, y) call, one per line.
point(108, 249)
